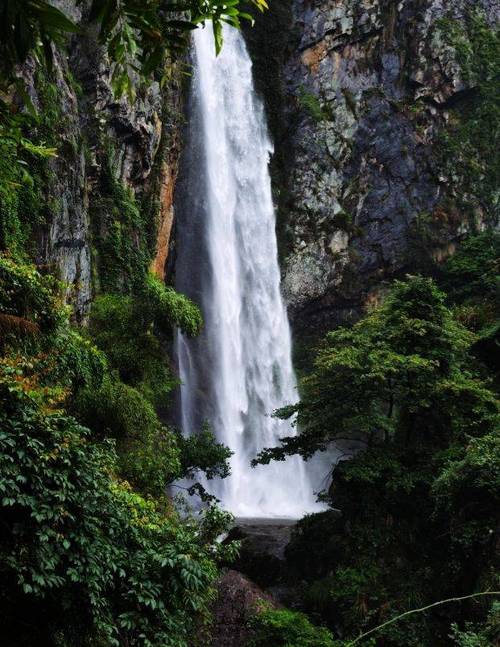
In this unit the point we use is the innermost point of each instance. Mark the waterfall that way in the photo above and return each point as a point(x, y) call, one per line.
point(239, 370)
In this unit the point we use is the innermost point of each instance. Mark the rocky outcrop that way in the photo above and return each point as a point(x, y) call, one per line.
point(364, 95)
point(238, 599)
point(262, 553)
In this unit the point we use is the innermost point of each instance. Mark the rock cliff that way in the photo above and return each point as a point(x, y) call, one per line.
point(110, 188)
point(362, 96)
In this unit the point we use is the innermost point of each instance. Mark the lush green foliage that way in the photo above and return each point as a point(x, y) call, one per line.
point(22, 169)
point(28, 144)
point(472, 274)
point(26, 294)
point(138, 34)
point(472, 279)
point(33, 319)
point(479, 636)
point(28, 26)
point(84, 558)
point(399, 374)
point(75, 538)
point(118, 327)
point(132, 331)
point(201, 452)
point(149, 456)
point(141, 33)
point(285, 628)
point(402, 395)
point(167, 307)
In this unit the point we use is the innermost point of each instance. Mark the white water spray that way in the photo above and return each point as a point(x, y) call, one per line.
point(239, 370)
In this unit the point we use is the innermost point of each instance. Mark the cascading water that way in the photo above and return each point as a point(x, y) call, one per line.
point(239, 370)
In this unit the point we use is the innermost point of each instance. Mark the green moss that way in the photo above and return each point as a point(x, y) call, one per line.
point(22, 205)
point(119, 233)
point(27, 142)
point(51, 121)
point(12, 233)
point(74, 84)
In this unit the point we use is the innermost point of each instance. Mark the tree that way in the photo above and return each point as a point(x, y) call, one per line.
point(401, 375)
point(82, 556)
point(417, 502)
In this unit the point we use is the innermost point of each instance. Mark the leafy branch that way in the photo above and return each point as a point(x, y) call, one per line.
point(138, 35)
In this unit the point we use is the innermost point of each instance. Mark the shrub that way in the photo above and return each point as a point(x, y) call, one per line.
point(169, 308)
point(81, 553)
point(26, 294)
point(285, 628)
point(472, 274)
point(201, 452)
point(133, 331)
point(149, 456)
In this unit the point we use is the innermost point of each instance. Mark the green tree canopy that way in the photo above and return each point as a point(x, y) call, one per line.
point(402, 374)
point(417, 502)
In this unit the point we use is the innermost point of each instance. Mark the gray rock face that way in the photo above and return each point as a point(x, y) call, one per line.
point(367, 86)
point(357, 91)
point(64, 242)
point(263, 544)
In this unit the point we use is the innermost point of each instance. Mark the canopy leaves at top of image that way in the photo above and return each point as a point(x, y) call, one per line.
point(138, 34)
point(25, 26)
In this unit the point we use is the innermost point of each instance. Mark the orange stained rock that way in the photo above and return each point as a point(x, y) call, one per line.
point(166, 217)
point(313, 56)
